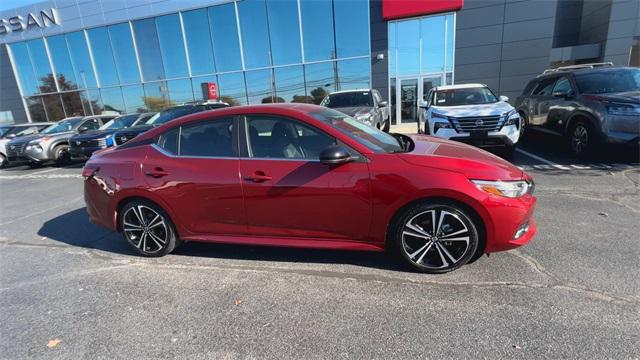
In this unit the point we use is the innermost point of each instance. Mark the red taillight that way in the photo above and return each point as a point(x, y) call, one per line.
point(88, 171)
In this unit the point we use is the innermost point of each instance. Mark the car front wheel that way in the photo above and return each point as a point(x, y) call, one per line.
point(435, 237)
point(148, 229)
point(582, 139)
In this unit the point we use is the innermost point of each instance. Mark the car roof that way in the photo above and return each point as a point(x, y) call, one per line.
point(348, 91)
point(460, 86)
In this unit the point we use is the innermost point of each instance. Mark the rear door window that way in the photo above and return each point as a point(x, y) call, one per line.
point(209, 138)
point(562, 85)
point(545, 87)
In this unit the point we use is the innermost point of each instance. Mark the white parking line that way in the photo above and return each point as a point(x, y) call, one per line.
point(42, 171)
point(548, 162)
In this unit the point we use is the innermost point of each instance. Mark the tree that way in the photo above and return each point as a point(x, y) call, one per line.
point(272, 99)
point(155, 103)
point(303, 99)
point(318, 95)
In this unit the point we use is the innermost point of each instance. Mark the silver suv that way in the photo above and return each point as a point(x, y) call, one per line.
point(52, 144)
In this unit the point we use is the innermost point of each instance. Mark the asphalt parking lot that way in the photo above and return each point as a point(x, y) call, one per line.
point(72, 290)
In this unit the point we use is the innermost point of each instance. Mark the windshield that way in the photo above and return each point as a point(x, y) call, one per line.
point(348, 99)
point(4, 130)
point(62, 126)
point(169, 114)
point(120, 122)
point(612, 81)
point(368, 136)
point(468, 96)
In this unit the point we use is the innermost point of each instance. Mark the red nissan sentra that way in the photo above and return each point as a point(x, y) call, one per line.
point(301, 175)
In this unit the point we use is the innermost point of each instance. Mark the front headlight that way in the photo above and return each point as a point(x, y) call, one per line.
point(34, 145)
point(439, 116)
point(365, 118)
point(510, 189)
point(513, 118)
point(623, 109)
point(109, 140)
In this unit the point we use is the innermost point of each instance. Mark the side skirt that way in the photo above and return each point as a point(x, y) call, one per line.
point(288, 242)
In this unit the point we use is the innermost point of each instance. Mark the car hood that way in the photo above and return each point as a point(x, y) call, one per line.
point(497, 108)
point(471, 161)
point(94, 134)
point(629, 97)
point(353, 110)
point(135, 130)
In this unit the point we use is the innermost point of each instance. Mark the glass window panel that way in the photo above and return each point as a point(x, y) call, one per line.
point(81, 60)
point(354, 74)
point(408, 42)
point(289, 83)
point(226, 45)
point(450, 43)
point(62, 62)
point(285, 32)
point(172, 46)
point(24, 68)
point(36, 109)
point(208, 138)
point(124, 53)
point(199, 41)
point(156, 96)
point(259, 86)
point(180, 90)
point(95, 101)
point(41, 67)
point(352, 27)
point(393, 30)
point(112, 99)
point(133, 98)
point(432, 31)
point(103, 56)
point(148, 49)
point(317, 30)
point(197, 82)
point(321, 80)
point(73, 104)
point(232, 89)
point(255, 34)
point(53, 106)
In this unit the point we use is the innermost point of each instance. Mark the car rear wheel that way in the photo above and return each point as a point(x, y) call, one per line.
point(148, 229)
point(435, 237)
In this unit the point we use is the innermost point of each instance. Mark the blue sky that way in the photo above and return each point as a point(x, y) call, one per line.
point(12, 4)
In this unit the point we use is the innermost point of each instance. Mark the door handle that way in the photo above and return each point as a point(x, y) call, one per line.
point(258, 176)
point(157, 172)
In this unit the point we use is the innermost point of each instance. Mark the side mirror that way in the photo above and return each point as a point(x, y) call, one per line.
point(423, 104)
point(561, 94)
point(10, 136)
point(82, 129)
point(383, 104)
point(334, 155)
point(504, 98)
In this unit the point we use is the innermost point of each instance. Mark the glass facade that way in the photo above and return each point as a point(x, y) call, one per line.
point(257, 51)
point(421, 55)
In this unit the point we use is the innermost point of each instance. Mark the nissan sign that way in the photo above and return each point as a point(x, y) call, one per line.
point(30, 21)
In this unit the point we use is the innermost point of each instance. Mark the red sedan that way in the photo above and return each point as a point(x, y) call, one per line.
point(306, 176)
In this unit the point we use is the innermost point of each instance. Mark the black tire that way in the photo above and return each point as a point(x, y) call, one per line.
point(507, 151)
point(34, 165)
point(62, 156)
point(416, 251)
point(582, 139)
point(387, 125)
point(147, 238)
point(3, 161)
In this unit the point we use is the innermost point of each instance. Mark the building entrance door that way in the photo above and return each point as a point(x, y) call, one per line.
point(407, 93)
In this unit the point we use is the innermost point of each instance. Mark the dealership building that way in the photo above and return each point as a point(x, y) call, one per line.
point(62, 58)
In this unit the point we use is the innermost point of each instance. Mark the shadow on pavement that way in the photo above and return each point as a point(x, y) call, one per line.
point(73, 228)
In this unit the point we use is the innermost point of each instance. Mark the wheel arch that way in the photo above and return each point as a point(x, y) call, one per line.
point(127, 198)
point(482, 221)
point(581, 116)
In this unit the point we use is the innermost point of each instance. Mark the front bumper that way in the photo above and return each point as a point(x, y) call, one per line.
point(34, 155)
point(508, 216)
point(82, 153)
point(506, 136)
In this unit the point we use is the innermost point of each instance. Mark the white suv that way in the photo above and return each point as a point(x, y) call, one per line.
point(471, 113)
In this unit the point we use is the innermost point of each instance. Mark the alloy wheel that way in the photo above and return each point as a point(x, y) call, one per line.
point(579, 139)
point(436, 239)
point(145, 229)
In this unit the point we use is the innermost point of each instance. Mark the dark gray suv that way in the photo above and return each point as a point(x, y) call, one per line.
point(364, 105)
point(589, 105)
